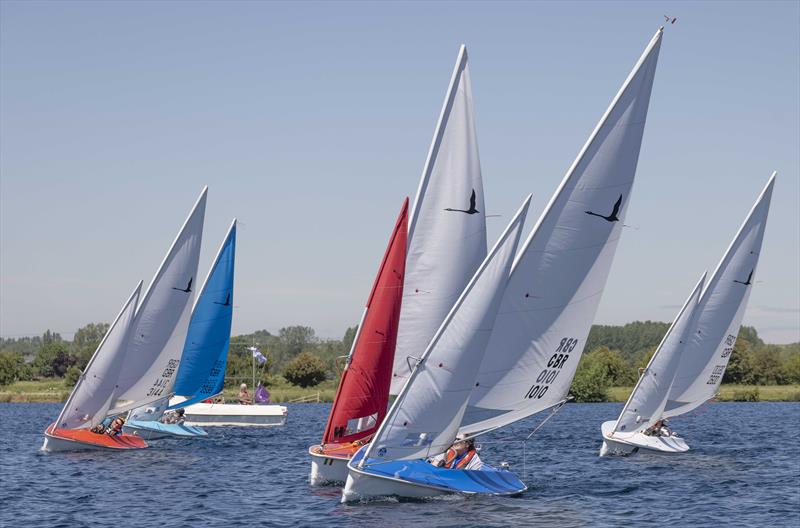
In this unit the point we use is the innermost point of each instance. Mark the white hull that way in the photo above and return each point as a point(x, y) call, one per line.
point(221, 414)
point(327, 470)
point(363, 486)
point(53, 444)
point(629, 443)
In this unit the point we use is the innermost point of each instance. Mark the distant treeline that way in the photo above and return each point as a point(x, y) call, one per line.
point(616, 353)
point(613, 356)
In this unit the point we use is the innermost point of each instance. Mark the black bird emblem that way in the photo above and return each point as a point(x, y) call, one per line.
point(188, 287)
point(471, 209)
point(613, 216)
point(227, 301)
point(748, 282)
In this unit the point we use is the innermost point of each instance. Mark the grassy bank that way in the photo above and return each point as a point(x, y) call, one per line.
point(731, 393)
point(55, 390)
point(281, 391)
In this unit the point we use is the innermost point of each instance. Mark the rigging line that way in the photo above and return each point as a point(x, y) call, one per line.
point(555, 409)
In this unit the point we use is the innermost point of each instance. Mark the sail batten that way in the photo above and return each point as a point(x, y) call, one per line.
point(447, 226)
point(560, 272)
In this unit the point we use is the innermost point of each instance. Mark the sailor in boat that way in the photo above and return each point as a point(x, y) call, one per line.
point(461, 455)
point(176, 417)
point(659, 428)
point(115, 428)
point(244, 396)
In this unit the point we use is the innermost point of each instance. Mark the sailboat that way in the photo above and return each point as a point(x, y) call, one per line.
point(705, 347)
point(424, 418)
point(446, 242)
point(363, 393)
point(649, 397)
point(548, 305)
point(87, 405)
point(447, 226)
point(141, 341)
point(205, 353)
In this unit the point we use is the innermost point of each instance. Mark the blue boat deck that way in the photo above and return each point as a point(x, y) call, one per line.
point(487, 480)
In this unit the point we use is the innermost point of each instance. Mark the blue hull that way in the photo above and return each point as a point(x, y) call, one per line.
point(151, 430)
point(485, 481)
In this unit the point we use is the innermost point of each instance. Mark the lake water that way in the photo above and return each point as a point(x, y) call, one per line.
point(743, 470)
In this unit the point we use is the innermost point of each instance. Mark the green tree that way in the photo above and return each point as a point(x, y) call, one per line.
point(591, 382)
point(739, 364)
point(791, 368)
point(615, 369)
point(86, 341)
point(305, 370)
point(72, 375)
point(53, 360)
point(11, 364)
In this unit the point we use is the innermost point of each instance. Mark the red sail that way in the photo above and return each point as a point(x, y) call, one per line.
point(363, 393)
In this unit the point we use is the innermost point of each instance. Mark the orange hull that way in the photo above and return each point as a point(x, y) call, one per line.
point(345, 451)
point(83, 438)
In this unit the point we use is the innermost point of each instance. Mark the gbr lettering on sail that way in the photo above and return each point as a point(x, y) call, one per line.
point(554, 366)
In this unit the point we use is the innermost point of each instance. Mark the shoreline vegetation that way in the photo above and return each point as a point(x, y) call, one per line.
point(54, 391)
point(295, 364)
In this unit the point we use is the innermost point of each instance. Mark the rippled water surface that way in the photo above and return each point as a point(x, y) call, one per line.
point(743, 469)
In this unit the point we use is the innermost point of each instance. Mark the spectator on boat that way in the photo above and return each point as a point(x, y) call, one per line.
point(115, 427)
point(461, 455)
point(244, 396)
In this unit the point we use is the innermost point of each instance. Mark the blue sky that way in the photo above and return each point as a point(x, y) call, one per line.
point(310, 122)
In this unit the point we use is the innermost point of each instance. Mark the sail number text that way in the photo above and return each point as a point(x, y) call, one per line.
point(554, 365)
point(161, 383)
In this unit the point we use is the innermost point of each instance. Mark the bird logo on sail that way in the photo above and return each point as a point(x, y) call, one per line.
point(472, 210)
point(227, 301)
point(613, 217)
point(188, 288)
point(748, 282)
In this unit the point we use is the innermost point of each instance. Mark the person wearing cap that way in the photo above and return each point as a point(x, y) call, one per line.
point(461, 455)
point(244, 396)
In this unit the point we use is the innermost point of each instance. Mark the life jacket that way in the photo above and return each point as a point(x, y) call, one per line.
point(452, 461)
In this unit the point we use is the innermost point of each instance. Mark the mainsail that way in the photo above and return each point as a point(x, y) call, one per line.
point(363, 393)
point(424, 418)
point(720, 313)
point(91, 397)
point(205, 354)
point(560, 273)
point(649, 396)
point(447, 228)
point(162, 319)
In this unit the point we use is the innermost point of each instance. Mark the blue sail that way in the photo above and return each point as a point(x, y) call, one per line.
point(205, 354)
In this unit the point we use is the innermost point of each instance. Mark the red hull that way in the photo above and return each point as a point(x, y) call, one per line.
point(102, 441)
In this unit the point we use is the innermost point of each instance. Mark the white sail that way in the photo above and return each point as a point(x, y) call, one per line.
point(447, 228)
point(91, 396)
point(559, 276)
point(649, 396)
point(720, 313)
point(162, 320)
point(424, 418)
